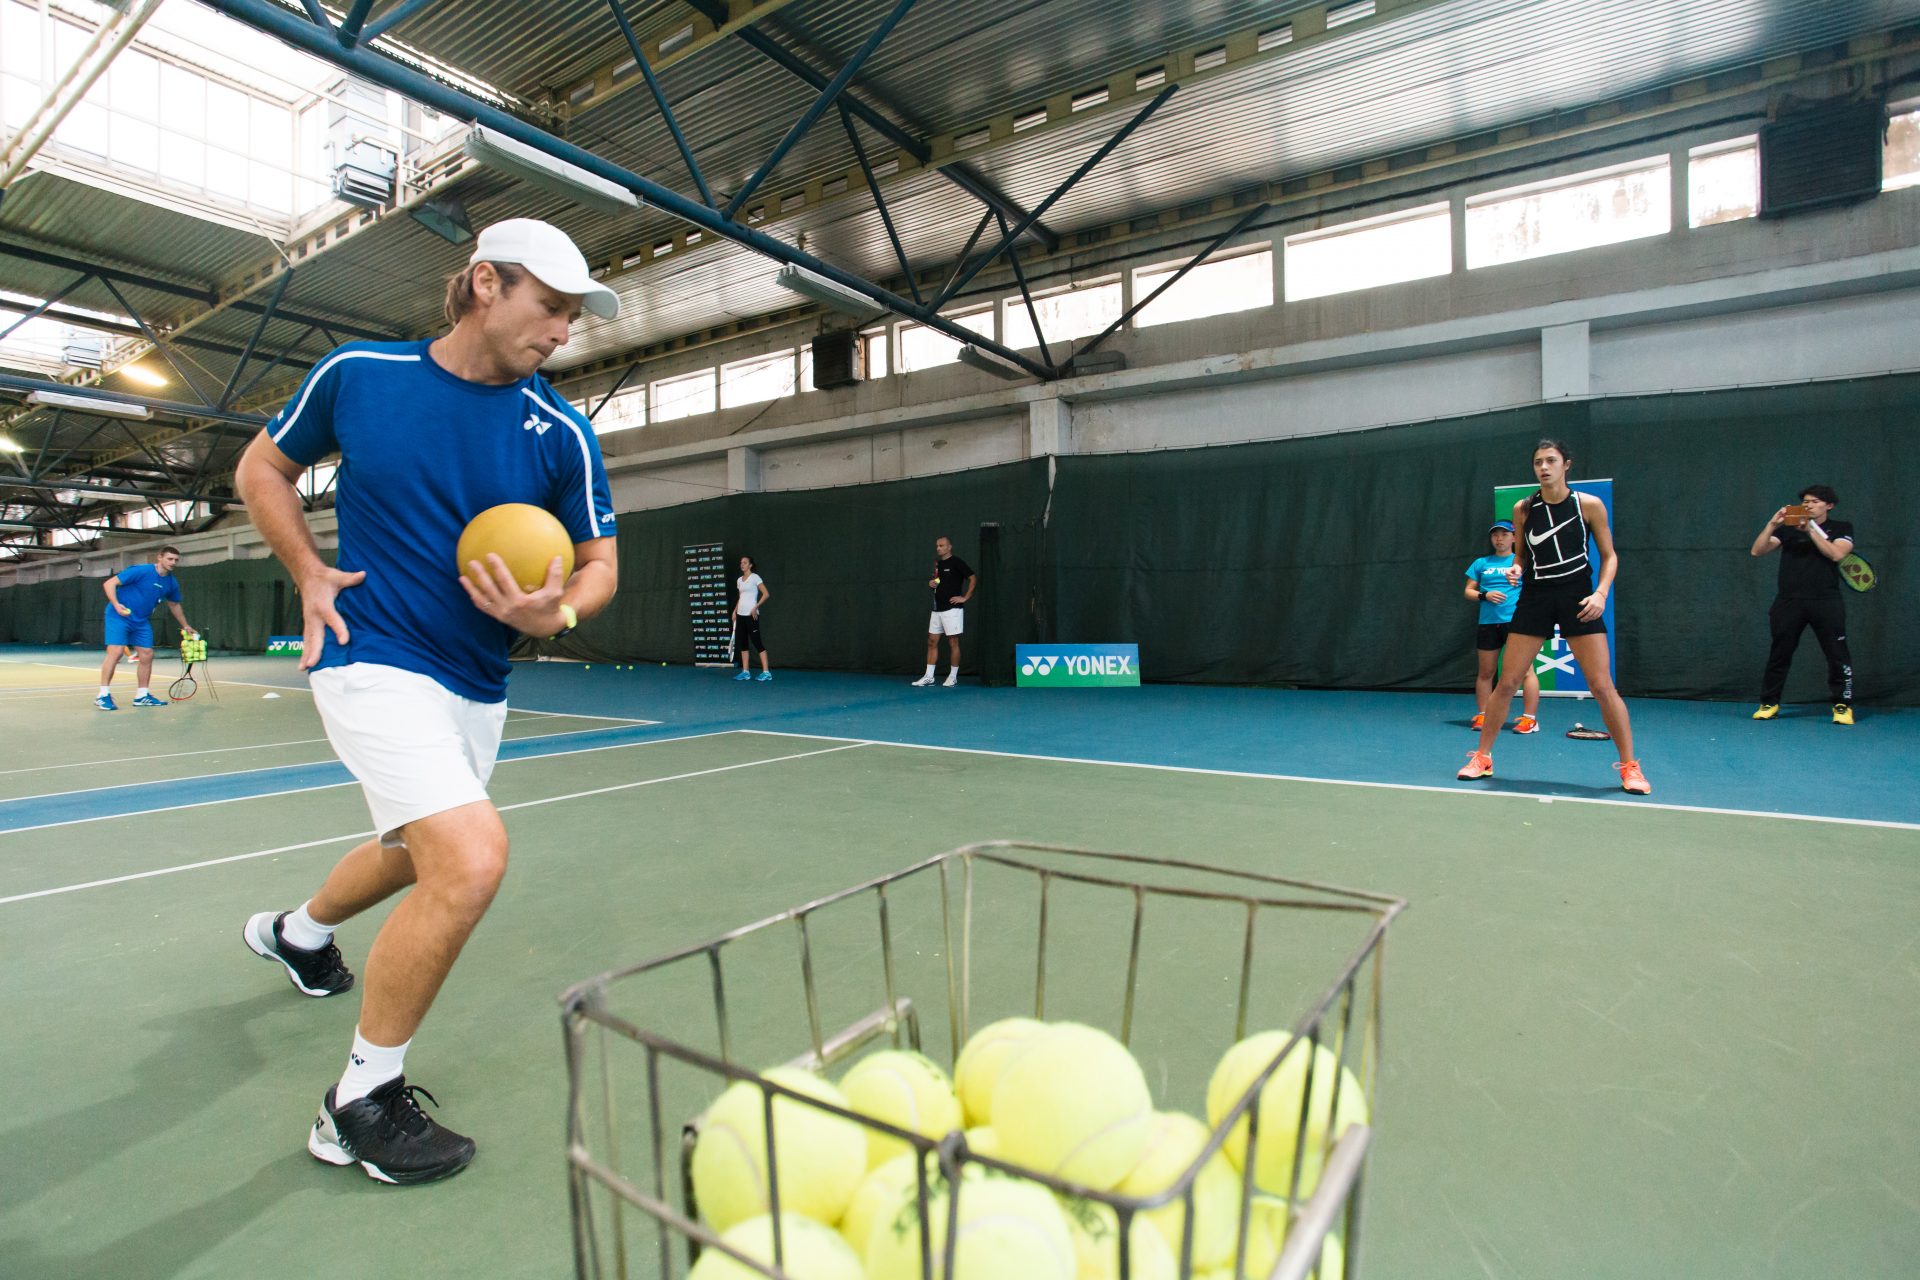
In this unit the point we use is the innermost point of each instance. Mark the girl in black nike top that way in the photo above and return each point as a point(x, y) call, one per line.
point(1552, 528)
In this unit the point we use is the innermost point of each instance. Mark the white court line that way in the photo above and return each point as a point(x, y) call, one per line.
point(328, 786)
point(240, 773)
point(846, 745)
point(54, 688)
point(265, 746)
point(164, 755)
point(1349, 782)
point(580, 715)
point(299, 688)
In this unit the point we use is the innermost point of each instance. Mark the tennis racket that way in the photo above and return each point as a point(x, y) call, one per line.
point(1585, 734)
point(1857, 573)
point(193, 651)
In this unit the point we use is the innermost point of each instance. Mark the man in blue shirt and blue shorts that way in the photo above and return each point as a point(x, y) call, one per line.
point(409, 656)
point(132, 594)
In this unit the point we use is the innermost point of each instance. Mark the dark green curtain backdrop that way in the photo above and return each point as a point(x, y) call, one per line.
point(1332, 561)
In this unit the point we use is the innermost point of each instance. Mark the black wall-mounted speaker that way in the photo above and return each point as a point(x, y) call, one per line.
point(1820, 155)
point(838, 360)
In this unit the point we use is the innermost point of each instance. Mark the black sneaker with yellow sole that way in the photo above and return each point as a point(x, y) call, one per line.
point(387, 1134)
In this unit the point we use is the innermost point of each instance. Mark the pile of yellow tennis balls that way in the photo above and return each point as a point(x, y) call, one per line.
point(1059, 1098)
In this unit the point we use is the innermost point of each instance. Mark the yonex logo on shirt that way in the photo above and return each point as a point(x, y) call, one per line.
point(535, 424)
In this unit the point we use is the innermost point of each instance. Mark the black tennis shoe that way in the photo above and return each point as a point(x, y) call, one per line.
point(389, 1136)
point(319, 972)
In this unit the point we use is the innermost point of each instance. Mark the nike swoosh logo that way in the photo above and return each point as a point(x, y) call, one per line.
point(1537, 538)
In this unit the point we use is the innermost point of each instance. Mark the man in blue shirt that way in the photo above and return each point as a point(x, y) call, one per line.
point(132, 595)
point(409, 656)
point(1488, 586)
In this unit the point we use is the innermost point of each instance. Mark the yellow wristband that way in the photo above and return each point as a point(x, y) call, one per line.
point(572, 620)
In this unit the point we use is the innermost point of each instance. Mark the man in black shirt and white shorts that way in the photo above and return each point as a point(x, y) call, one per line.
point(953, 582)
point(1811, 547)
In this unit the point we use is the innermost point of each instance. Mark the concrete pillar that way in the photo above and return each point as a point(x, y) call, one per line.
point(1682, 197)
point(1459, 221)
point(743, 470)
point(1565, 362)
point(1049, 428)
point(1280, 269)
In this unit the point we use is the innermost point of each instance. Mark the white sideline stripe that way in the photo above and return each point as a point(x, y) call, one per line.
point(241, 773)
point(296, 742)
point(300, 688)
point(363, 835)
point(1349, 782)
point(578, 715)
point(164, 755)
point(56, 688)
point(350, 782)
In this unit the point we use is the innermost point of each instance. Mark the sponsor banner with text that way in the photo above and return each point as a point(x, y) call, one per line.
point(293, 646)
point(1077, 666)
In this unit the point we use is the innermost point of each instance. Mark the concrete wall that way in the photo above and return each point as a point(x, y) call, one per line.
point(1827, 295)
point(1830, 294)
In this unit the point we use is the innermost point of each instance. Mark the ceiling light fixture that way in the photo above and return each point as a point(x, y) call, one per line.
point(495, 150)
point(985, 361)
point(90, 404)
point(828, 293)
point(446, 217)
point(144, 376)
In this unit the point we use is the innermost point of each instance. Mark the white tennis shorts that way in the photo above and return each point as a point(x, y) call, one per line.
point(947, 622)
point(417, 747)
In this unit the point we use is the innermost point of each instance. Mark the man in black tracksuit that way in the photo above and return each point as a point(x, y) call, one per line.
point(1810, 554)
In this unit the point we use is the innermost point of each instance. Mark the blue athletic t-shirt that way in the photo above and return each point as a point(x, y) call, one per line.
point(142, 588)
point(422, 452)
point(1489, 573)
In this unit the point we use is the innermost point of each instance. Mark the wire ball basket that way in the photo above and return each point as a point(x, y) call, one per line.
point(1177, 959)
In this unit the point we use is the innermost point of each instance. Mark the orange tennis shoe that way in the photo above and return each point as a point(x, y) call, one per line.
point(1479, 718)
point(1631, 779)
point(1526, 724)
point(1479, 765)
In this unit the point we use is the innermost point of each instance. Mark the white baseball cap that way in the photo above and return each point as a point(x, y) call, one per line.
point(545, 250)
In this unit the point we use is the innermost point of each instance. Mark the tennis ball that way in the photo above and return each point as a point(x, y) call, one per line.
point(1279, 1104)
point(904, 1089)
point(1072, 1103)
point(820, 1158)
point(809, 1250)
point(1267, 1224)
point(978, 1068)
point(1095, 1229)
point(881, 1194)
point(1176, 1141)
point(1006, 1228)
point(983, 1141)
point(525, 536)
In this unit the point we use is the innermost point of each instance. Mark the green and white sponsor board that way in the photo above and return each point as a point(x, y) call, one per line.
point(1077, 666)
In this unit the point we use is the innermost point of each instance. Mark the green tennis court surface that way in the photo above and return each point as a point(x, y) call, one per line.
point(1618, 1042)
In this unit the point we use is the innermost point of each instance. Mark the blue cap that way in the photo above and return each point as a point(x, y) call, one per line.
point(1501, 524)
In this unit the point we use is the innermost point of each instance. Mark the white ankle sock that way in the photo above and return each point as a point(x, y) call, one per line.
point(368, 1067)
point(141, 692)
point(105, 689)
point(930, 667)
point(303, 931)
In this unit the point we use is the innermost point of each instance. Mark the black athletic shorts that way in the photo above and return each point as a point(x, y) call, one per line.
point(1490, 637)
point(746, 633)
point(1541, 606)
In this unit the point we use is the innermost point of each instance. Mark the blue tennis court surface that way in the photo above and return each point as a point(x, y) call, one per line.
point(1705, 755)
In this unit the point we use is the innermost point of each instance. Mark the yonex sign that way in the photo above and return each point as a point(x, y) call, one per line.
point(1080, 666)
point(286, 644)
